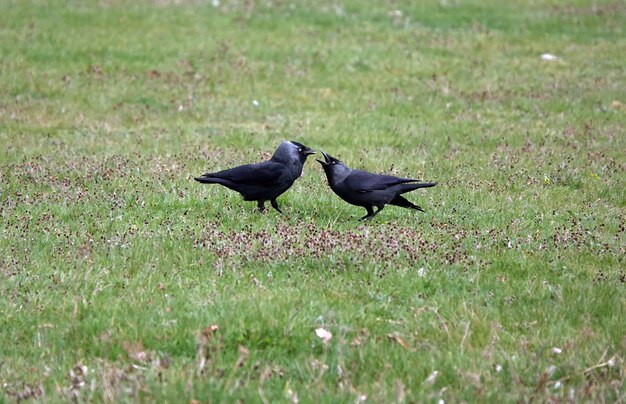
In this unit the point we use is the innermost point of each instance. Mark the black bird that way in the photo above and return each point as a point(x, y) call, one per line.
point(264, 181)
point(365, 189)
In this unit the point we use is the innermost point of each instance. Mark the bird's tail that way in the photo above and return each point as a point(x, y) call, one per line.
point(402, 202)
point(209, 179)
point(412, 187)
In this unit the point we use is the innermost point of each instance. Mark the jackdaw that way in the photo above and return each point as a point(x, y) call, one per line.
point(365, 189)
point(264, 181)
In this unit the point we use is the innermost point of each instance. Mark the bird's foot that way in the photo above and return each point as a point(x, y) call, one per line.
point(371, 213)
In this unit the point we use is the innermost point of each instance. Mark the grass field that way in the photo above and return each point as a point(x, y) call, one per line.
point(124, 280)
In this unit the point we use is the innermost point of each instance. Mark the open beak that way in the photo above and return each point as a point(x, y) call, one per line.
point(326, 159)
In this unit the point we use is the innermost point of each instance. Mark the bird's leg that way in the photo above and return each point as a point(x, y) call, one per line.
point(378, 211)
point(275, 205)
point(370, 213)
point(261, 206)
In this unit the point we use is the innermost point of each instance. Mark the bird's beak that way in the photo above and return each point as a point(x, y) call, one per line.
point(326, 159)
point(308, 151)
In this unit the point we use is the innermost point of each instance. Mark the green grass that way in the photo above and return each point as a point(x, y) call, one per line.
point(114, 259)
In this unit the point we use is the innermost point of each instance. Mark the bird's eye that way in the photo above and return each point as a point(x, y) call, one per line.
point(300, 149)
point(334, 162)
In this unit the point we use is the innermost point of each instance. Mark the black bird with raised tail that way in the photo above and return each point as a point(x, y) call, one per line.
point(264, 181)
point(365, 189)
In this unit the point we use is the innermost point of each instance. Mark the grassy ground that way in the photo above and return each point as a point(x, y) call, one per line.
point(115, 264)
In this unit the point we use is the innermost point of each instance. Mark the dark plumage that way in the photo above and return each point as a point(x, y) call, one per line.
point(264, 181)
point(365, 189)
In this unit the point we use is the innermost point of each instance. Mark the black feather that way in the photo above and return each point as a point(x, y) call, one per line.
point(369, 190)
point(264, 181)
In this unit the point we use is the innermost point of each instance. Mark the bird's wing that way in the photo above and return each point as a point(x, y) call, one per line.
point(362, 181)
point(261, 173)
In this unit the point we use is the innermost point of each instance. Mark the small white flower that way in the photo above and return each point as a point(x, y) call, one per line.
point(421, 272)
point(557, 350)
point(323, 334)
point(549, 57)
point(498, 368)
point(215, 3)
point(255, 103)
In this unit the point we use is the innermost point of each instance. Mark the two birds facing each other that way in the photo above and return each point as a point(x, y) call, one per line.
point(268, 180)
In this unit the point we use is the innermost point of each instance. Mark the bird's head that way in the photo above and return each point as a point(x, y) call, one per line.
point(334, 168)
point(289, 151)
